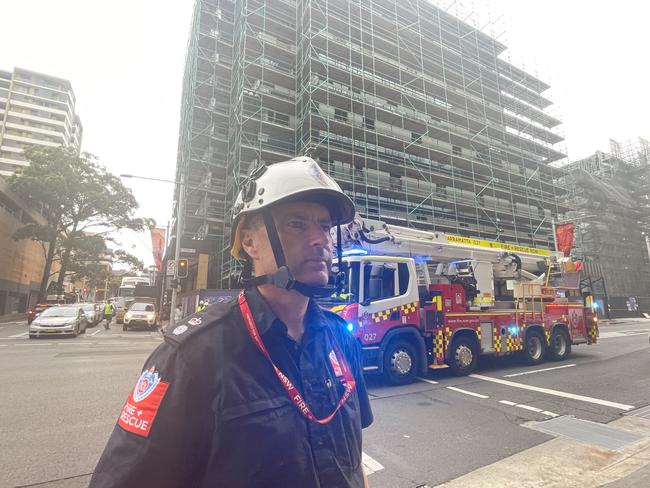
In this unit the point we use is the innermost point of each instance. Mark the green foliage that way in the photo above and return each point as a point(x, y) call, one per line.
point(76, 195)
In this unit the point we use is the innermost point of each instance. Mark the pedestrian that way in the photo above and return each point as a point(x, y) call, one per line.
point(267, 391)
point(178, 314)
point(109, 311)
point(201, 306)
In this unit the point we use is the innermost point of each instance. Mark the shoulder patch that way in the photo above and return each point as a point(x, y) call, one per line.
point(196, 323)
point(140, 409)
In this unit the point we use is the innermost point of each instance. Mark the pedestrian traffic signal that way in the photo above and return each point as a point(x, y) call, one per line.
point(182, 268)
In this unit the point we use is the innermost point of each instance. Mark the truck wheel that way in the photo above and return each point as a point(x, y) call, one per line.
point(534, 348)
point(400, 363)
point(463, 356)
point(560, 345)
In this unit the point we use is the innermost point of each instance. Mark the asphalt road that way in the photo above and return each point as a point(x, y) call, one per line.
point(61, 397)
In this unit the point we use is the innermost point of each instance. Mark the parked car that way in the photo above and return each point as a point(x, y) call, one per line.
point(90, 311)
point(67, 320)
point(141, 313)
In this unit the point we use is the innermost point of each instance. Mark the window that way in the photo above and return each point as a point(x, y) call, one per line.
point(415, 137)
point(456, 150)
point(340, 115)
point(369, 123)
point(403, 274)
point(378, 281)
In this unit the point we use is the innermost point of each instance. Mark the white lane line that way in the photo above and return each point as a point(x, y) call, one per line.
point(42, 344)
point(84, 343)
point(550, 414)
point(22, 334)
point(528, 407)
point(95, 333)
point(4, 345)
point(427, 381)
point(539, 370)
point(370, 465)
point(548, 391)
point(478, 395)
point(506, 402)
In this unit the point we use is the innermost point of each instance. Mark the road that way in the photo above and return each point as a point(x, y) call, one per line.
point(61, 398)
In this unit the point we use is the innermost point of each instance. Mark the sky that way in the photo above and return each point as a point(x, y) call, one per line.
point(125, 61)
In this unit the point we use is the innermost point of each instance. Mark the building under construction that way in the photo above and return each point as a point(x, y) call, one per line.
point(609, 198)
point(412, 110)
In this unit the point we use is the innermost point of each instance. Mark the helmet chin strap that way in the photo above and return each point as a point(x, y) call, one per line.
point(282, 277)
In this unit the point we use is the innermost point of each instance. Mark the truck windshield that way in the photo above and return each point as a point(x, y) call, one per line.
point(350, 292)
point(127, 292)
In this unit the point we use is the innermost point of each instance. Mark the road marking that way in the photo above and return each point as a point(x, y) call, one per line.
point(478, 395)
point(95, 333)
point(370, 465)
point(539, 370)
point(19, 335)
point(42, 344)
point(4, 345)
point(550, 414)
point(558, 393)
point(528, 407)
point(84, 343)
point(427, 381)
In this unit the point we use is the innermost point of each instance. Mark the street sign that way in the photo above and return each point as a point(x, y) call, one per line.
point(171, 267)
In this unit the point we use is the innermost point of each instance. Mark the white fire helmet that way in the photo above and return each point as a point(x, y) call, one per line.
point(296, 179)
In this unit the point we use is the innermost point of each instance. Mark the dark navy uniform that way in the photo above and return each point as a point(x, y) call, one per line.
point(222, 417)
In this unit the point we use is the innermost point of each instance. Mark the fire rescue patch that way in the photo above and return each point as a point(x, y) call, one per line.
point(194, 321)
point(335, 364)
point(139, 411)
point(179, 330)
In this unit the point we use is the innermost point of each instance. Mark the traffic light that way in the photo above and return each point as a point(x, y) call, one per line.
point(182, 268)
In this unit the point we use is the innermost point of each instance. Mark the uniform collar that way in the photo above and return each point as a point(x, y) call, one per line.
point(265, 317)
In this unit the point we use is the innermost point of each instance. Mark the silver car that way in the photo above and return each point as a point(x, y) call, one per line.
point(61, 321)
point(91, 313)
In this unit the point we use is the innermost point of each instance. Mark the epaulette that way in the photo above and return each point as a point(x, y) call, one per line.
point(195, 324)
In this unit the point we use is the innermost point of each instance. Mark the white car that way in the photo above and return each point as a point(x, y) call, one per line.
point(141, 313)
point(64, 320)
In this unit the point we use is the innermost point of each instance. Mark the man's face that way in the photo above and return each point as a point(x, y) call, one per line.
point(304, 231)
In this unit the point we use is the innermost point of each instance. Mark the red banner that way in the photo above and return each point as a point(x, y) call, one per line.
point(158, 246)
point(564, 236)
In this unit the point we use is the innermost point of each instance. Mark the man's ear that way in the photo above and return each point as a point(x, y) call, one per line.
point(249, 243)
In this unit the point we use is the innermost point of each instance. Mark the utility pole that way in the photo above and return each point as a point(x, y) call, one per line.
point(180, 221)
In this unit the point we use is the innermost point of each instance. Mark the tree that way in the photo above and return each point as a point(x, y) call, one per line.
point(75, 194)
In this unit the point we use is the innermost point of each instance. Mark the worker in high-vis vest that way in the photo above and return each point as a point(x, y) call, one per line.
point(201, 306)
point(109, 311)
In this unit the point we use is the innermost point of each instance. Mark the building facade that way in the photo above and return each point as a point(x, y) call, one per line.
point(609, 199)
point(413, 111)
point(35, 109)
point(21, 262)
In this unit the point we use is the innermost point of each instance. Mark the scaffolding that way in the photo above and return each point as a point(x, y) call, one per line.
point(412, 110)
point(608, 197)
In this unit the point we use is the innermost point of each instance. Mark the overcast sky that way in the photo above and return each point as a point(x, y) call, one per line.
point(125, 61)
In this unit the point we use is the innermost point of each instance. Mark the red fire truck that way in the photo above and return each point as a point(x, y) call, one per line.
point(418, 300)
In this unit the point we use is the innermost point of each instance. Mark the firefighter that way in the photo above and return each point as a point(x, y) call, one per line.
point(201, 306)
point(265, 391)
point(109, 311)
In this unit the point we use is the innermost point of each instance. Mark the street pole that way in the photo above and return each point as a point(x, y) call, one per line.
point(554, 234)
point(180, 221)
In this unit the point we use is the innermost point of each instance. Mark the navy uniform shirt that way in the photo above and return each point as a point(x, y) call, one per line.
point(210, 411)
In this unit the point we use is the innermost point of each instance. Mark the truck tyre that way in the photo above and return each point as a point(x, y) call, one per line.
point(534, 348)
point(400, 363)
point(463, 356)
point(560, 345)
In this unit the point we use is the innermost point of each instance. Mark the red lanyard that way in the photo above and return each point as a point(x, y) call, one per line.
point(292, 391)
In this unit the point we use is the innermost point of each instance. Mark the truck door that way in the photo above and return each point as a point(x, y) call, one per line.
point(385, 298)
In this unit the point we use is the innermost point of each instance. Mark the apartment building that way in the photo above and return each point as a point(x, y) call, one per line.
point(35, 109)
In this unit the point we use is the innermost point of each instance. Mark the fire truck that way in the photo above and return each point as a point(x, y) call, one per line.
point(419, 300)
